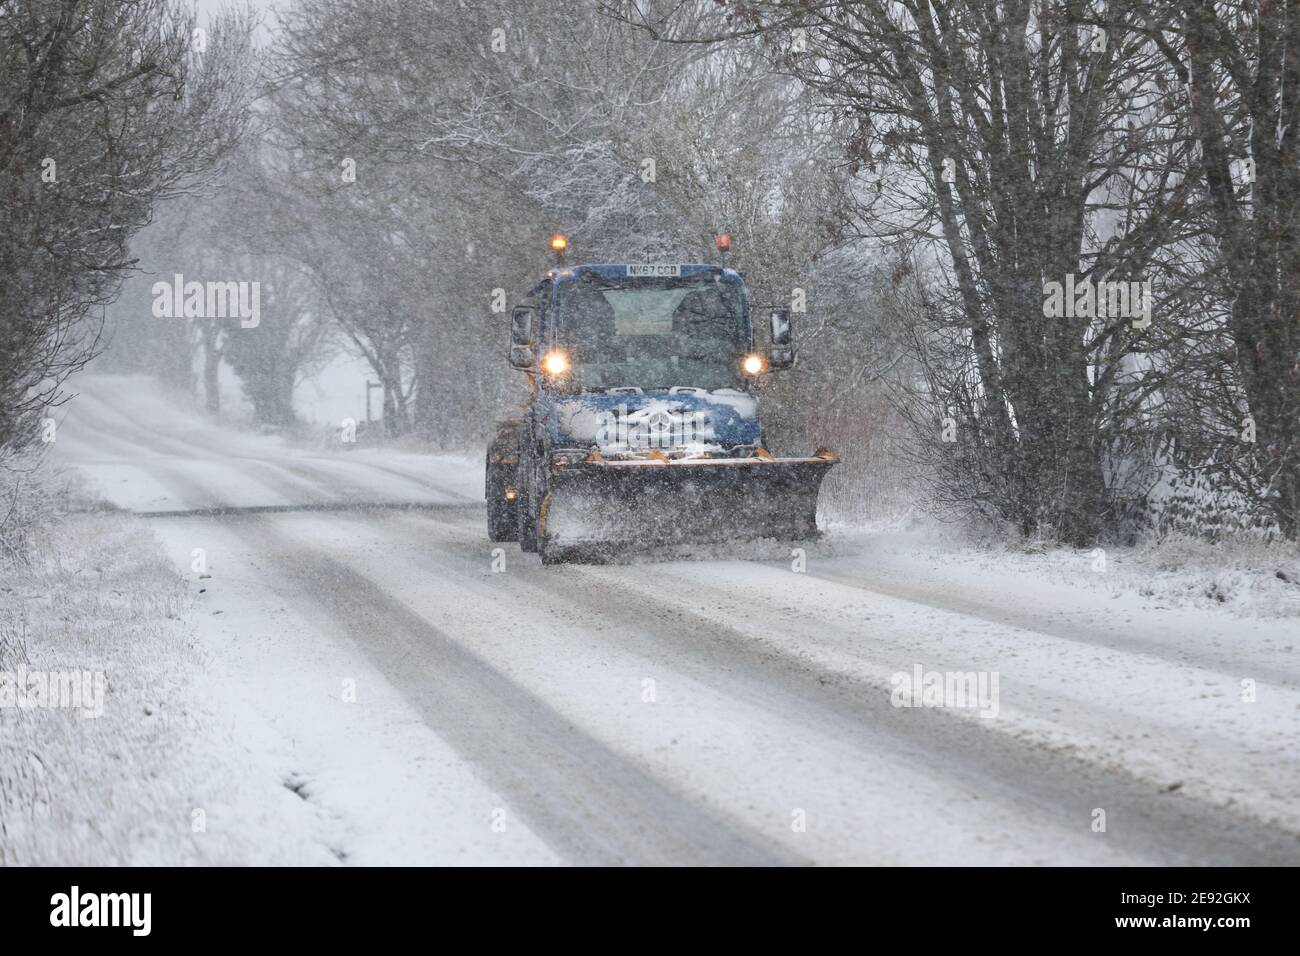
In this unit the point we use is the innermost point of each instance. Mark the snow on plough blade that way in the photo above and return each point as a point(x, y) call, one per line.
point(598, 508)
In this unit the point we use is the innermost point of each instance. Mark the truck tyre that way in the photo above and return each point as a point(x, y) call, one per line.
point(527, 508)
point(548, 551)
point(550, 554)
point(503, 523)
point(529, 540)
point(502, 473)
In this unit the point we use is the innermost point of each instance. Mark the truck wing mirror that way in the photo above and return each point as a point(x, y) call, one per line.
point(782, 350)
point(521, 336)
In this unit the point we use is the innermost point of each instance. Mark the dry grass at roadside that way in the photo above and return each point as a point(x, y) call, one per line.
point(93, 592)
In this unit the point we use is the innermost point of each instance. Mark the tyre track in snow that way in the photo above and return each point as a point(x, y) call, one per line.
point(1165, 828)
point(1031, 620)
point(140, 448)
point(1055, 788)
point(588, 797)
point(295, 478)
point(1218, 746)
point(587, 802)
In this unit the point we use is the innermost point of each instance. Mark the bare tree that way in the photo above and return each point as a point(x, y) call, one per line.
point(105, 108)
point(1013, 145)
point(1240, 65)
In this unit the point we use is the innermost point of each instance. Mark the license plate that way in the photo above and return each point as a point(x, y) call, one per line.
point(652, 271)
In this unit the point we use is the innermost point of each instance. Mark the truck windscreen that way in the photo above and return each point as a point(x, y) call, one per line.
point(653, 333)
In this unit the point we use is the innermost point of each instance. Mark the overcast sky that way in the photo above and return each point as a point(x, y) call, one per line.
point(207, 8)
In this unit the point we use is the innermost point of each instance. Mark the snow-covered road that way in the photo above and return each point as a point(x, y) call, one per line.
point(431, 704)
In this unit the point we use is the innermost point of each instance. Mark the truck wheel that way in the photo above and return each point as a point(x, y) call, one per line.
point(551, 554)
point(530, 499)
point(503, 523)
point(529, 540)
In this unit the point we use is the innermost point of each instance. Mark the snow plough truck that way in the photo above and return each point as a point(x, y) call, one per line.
point(642, 427)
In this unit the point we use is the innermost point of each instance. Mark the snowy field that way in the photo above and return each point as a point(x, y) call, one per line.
point(334, 667)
